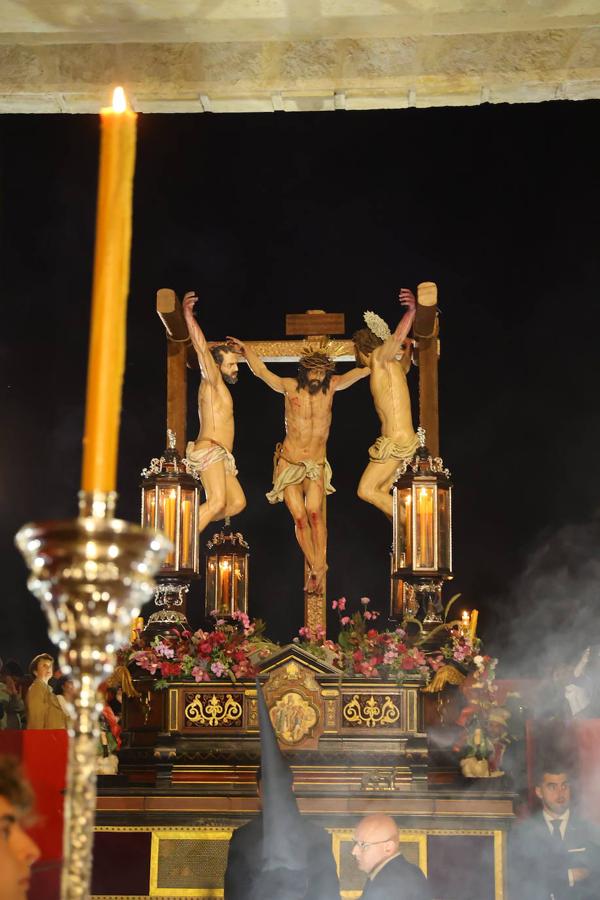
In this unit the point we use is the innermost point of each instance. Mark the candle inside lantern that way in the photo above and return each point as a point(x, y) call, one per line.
point(425, 517)
point(109, 296)
point(169, 510)
point(225, 567)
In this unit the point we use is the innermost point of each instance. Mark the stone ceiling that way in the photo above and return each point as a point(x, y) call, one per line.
point(294, 55)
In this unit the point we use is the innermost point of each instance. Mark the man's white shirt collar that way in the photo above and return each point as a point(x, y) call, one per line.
point(564, 821)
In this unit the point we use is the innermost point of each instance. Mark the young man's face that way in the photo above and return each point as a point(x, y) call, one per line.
point(555, 793)
point(229, 367)
point(17, 854)
point(43, 669)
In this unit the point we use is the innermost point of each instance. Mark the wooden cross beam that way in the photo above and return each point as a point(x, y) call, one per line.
point(180, 356)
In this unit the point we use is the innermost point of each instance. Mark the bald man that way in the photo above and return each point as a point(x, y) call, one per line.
point(377, 852)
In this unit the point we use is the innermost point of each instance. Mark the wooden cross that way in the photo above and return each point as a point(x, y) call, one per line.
point(301, 330)
point(426, 332)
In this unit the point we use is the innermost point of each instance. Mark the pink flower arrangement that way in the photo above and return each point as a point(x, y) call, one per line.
point(377, 654)
point(229, 651)
point(461, 648)
point(315, 641)
point(362, 649)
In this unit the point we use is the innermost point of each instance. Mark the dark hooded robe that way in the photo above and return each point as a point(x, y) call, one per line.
point(279, 855)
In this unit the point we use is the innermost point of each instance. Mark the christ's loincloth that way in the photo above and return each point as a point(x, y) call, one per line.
point(385, 448)
point(295, 473)
point(201, 459)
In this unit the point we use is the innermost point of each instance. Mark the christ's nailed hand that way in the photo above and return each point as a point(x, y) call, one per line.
point(407, 298)
point(189, 301)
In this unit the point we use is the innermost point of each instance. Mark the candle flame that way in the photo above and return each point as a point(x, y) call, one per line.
point(119, 101)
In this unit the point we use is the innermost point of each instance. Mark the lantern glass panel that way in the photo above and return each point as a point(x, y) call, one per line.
point(425, 526)
point(186, 530)
point(240, 582)
point(404, 528)
point(149, 507)
point(211, 583)
point(445, 561)
point(167, 509)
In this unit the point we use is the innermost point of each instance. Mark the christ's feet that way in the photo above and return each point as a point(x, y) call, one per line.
point(316, 580)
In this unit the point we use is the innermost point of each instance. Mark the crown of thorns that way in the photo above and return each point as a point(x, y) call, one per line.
point(312, 360)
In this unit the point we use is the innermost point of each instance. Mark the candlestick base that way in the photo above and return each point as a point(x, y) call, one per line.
point(91, 576)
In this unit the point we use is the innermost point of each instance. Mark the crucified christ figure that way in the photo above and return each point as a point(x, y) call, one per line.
point(388, 361)
point(302, 474)
point(210, 455)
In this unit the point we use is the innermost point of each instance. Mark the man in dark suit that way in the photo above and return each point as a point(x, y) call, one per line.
point(377, 852)
point(554, 855)
point(245, 859)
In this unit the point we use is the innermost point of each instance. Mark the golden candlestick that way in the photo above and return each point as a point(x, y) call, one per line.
point(91, 575)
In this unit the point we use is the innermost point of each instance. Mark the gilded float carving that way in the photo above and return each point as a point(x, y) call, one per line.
point(370, 712)
point(217, 710)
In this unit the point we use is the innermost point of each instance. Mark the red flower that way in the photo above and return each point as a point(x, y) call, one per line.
point(170, 668)
point(366, 669)
point(409, 663)
point(205, 647)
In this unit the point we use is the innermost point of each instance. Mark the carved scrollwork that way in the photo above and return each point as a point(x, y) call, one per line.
point(214, 711)
point(370, 712)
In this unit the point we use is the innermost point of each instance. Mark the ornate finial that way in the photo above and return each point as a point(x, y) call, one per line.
point(421, 435)
point(171, 439)
point(377, 325)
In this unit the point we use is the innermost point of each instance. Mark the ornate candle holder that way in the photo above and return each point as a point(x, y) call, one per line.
point(91, 575)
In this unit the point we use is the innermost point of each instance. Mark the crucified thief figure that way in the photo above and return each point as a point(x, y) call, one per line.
point(302, 474)
point(389, 361)
point(210, 454)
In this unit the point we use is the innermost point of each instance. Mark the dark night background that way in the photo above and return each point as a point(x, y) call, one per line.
point(268, 214)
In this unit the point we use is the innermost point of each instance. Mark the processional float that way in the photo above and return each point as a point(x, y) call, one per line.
point(94, 572)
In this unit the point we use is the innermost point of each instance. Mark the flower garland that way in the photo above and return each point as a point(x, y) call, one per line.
point(363, 650)
point(232, 650)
